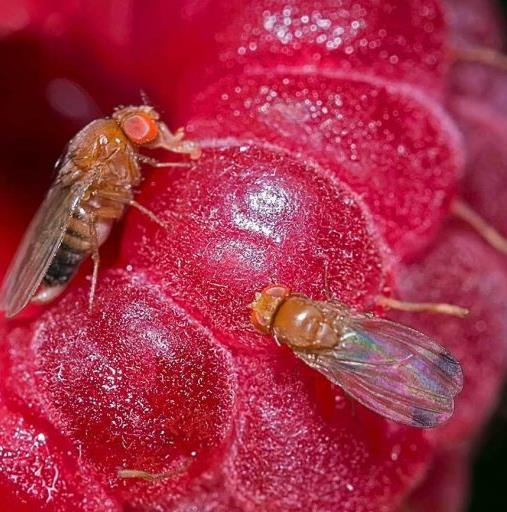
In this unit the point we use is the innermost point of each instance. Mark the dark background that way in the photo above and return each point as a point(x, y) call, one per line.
point(489, 479)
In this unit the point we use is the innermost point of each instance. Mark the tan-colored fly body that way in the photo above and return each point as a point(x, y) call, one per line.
point(96, 179)
point(390, 368)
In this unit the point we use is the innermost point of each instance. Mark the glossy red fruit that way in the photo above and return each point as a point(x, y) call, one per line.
point(395, 148)
point(484, 185)
point(399, 40)
point(244, 216)
point(300, 444)
point(138, 385)
point(446, 486)
point(39, 470)
point(461, 269)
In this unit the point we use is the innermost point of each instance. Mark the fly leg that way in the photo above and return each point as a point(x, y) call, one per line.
point(95, 218)
point(96, 260)
point(176, 142)
point(142, 475)
point(494, 238)
point(423, 307)
point(124, 198)
point(152, 162)
point(146, 211)
point(154, 477)
point(481, 55)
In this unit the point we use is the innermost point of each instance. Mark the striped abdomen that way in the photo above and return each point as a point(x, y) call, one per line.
point(76, 246)
point(64, 265)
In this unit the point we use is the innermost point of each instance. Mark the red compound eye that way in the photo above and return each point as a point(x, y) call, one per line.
point(140, 128)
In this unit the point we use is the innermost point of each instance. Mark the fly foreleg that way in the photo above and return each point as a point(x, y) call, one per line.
point(177, 143)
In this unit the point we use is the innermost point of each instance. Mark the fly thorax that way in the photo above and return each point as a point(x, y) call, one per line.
point(300, 323)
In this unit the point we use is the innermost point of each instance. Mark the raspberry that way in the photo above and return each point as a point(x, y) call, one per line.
point(246, 215)
point(446, 486)
point(139, 385)
point(372, 135)
point(167, 375)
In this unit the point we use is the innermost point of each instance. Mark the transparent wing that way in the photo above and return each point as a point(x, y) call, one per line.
point(393, 370)
point(40, 244)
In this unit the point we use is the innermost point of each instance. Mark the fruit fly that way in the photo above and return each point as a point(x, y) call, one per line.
point(95, 182)
point(388, 367)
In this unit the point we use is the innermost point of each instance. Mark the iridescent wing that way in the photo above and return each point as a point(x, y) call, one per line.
point(393, 370)
point(40, 243)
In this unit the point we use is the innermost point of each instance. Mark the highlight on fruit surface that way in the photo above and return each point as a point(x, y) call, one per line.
point(390, 368)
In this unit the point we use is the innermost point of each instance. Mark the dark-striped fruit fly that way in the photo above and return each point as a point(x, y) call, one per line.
point(96, 179)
